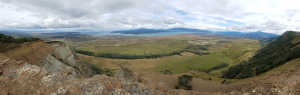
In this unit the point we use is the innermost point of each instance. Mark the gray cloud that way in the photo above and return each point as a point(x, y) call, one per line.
point(127, 14)
point(74, 8)
point(291, 13)
point(268, 26)
point(274, 25)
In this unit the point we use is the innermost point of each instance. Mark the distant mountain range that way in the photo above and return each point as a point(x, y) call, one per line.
point(151, 31)
point(143, 31)
point(257, 34)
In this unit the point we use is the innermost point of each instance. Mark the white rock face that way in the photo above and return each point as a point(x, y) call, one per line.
point(65, 55)
point(64, 52)
point(51, 63)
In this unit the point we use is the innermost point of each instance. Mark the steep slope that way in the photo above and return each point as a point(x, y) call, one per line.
point(62, 52)
point(55, 56)
point(22, 78)
point(33, 52)
point(278, 52)
point(283, 80)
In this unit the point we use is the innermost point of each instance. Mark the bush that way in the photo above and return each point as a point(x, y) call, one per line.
point(183, 82)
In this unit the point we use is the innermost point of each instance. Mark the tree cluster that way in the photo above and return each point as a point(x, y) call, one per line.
point(223, 65)
point(9, 39)
point(183, 82)
point(84, 52)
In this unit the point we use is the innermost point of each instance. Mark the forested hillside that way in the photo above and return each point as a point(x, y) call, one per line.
point(8, 42)
point(278, 52)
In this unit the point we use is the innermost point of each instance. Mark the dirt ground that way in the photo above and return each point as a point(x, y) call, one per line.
point(198, 84)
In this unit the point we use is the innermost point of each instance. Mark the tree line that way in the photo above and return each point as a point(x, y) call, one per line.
point(192, 49)
point(127, 56)
point(10, 39)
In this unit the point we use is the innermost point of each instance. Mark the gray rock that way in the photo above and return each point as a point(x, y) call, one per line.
point(62, 91)
point(125, 73)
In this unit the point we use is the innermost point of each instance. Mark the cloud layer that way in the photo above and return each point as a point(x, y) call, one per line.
point(274, 16)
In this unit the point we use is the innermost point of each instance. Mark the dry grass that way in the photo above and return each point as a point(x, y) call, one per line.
point(198, 84)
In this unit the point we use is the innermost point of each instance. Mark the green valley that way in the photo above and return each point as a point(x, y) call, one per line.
point(207, 54)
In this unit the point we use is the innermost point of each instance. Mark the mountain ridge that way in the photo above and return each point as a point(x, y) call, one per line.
point(258, 34)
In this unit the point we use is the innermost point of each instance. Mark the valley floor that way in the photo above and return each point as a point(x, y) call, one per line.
point(198, 84)
point(281, 77)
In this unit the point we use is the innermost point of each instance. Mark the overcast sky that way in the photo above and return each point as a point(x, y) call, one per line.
point(273, 16)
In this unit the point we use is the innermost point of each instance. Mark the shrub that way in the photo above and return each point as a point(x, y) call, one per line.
point(183, 82)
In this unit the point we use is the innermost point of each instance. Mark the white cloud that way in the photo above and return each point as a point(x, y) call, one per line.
point(274, 16)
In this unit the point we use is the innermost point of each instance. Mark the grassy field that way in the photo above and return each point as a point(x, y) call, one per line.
point(177, 64)
point(206, 69)
point(221, 51)
point(143, 48)
point(240, 48)
point(188, 61)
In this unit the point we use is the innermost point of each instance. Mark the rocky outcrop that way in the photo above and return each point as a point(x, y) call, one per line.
point(19, 77)
point(54, 56)
point(125, 73)
point(62, 52)
point(37, 53)
point(51, 63)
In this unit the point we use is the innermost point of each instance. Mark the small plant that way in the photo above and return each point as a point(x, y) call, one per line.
point(223, 81)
